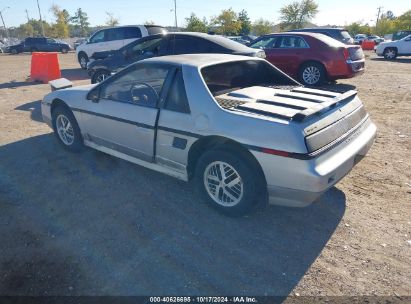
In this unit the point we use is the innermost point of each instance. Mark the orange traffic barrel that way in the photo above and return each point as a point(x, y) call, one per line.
point(368, 44)
point(44, 67)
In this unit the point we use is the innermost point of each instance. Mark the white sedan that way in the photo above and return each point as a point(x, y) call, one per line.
point(239, 126)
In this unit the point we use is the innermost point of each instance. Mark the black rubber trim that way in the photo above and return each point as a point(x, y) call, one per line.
point(180, 132)
point(115, 118)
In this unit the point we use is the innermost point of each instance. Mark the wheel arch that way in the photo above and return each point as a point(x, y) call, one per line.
point(57, 102)
point(199, 147)
point(80, 54)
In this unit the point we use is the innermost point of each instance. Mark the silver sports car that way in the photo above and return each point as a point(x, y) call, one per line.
point(237, 125)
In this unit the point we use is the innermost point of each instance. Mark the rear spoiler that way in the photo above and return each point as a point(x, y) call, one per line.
point(59, 84)
point(300, 116)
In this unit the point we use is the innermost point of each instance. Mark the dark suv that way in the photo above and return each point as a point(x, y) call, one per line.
point(107, 62)
point(339, 34)
point(40, 44)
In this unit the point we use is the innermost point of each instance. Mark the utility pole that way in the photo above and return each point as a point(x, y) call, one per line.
point(175, 13)
point(378, 14)
point(27, 15)
point(2, 20)
point(41, 21)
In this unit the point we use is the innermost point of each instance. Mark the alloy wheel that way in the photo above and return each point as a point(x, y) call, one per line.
point(65, 130)
point(311, 75)
point(223, 184)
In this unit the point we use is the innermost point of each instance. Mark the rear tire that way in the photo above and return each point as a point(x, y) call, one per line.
point(227, 182)
point(66, 129)
point(390, 53)
point(83, 60)
point(312, 74)
point(14, 52)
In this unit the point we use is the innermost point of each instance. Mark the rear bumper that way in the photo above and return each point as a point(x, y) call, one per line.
point(347, 70)
point(297, 183)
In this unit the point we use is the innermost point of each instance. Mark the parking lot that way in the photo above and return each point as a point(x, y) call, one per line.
point(92, 224)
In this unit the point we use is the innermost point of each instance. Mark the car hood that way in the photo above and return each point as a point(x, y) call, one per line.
point(387, 43)
point(70, 95)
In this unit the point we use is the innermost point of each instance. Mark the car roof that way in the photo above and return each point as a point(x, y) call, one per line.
point(320, 29)
point(315, 35)
point(198, 60)
point(220, 40)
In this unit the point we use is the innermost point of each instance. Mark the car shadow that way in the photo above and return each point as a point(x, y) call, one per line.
point(74, 74)
point(17, 84)
point(398, 60)
point(125, 230)
point(337, 87)
point(34, 107)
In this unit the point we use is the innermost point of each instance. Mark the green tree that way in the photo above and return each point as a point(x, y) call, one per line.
point(262, 27)
point(111, 20)
point(80, 21)
point(358, 28)
point(195, 24)
point(227, 23)
point(297, 14)
point(245, 22)
point(404, 21)
point(149, 22)
point(60, 29)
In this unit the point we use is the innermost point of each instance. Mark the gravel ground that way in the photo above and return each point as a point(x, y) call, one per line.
point(91, 224)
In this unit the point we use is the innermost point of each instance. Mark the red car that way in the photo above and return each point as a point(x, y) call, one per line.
point(311, 58)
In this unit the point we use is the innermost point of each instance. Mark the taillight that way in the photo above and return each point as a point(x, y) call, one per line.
point(346, 54)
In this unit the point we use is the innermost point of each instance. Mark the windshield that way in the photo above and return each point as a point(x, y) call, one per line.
point(226, 77)
point(345, 35)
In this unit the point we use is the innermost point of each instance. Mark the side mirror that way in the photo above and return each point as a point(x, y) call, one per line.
point(94, 95)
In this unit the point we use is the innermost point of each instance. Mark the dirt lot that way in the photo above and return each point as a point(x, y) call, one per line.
point(91, 224)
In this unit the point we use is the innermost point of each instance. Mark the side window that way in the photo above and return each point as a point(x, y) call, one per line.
point(115, 34)
point(140, 86)
point(149, 47)
point(132, 32)
point(293, 42)
point(97, 37)
point(265, 43)
point(50, 41)
point(177, 97)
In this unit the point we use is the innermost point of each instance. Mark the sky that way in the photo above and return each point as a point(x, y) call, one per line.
point(161, 12)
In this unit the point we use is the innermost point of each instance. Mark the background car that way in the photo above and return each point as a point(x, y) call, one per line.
point(79, 42)
point(311, 58)
point(392, 49)
point(39, 44)
point(358, 39)
point(339, 34)
point(159, 45)
point(114, 38)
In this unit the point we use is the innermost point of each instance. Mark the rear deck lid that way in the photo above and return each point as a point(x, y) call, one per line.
point(323, 115)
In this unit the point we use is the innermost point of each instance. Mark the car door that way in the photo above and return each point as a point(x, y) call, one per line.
point(96, 43)
point(269, 45)
point(125, 115)
point(51, 45)
point(290, 52)
point(404, 45)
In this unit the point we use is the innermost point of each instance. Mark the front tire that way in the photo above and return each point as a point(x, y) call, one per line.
point(390, 53)
point(64, 50)
point(227, 182)
point(13, 52)
point(66, 129)
point(83, 60)
point(312, 74)
point(99, 76)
